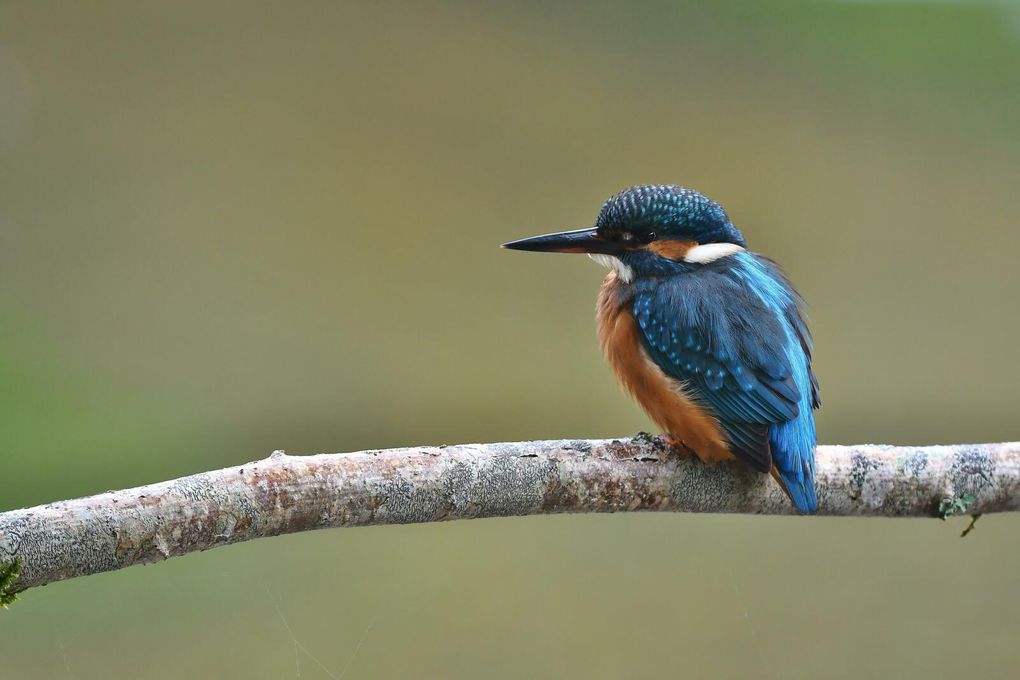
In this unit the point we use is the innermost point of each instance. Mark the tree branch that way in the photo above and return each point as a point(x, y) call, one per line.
point(285, 494)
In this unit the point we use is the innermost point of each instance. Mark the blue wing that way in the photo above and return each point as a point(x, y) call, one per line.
point(792, 312)
point(710, 329)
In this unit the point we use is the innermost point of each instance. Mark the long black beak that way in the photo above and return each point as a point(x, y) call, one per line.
point(577, 241)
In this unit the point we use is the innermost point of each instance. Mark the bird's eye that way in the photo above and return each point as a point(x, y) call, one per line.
point(649, 237)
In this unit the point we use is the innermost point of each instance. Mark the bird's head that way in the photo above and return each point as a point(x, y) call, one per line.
point(648, 230)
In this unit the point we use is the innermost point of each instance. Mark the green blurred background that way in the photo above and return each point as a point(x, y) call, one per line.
point(227, 228)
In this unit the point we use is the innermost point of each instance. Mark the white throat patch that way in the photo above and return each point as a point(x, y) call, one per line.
point(710, 252)
point(625, 273)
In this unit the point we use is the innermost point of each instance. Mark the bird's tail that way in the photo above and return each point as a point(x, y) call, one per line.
point(799, 485)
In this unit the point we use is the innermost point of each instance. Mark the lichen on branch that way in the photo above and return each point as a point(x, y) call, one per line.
point(286, 494)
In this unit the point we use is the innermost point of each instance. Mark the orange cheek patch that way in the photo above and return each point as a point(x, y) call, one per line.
point(674, 250)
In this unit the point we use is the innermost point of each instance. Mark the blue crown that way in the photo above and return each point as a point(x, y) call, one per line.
point(672, 211)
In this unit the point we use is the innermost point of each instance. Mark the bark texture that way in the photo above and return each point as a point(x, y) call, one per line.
point(284, 494)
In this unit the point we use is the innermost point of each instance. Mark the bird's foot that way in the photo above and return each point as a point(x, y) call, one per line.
point(678, 446)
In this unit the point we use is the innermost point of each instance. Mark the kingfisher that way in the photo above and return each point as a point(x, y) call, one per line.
point(708, 337)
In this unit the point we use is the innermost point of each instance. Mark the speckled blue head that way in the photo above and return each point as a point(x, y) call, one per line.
point(647, 231)
point(669, 212)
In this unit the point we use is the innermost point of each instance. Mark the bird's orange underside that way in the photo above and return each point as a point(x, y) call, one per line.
point(662, 397)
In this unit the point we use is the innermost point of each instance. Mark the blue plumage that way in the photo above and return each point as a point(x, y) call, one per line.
point(724, 322)
point(793, 441)
point(732, 332)
point(667, 207)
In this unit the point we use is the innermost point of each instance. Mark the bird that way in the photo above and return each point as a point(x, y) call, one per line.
point(709, 338)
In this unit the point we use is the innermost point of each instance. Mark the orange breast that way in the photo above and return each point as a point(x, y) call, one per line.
point(662, 397)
